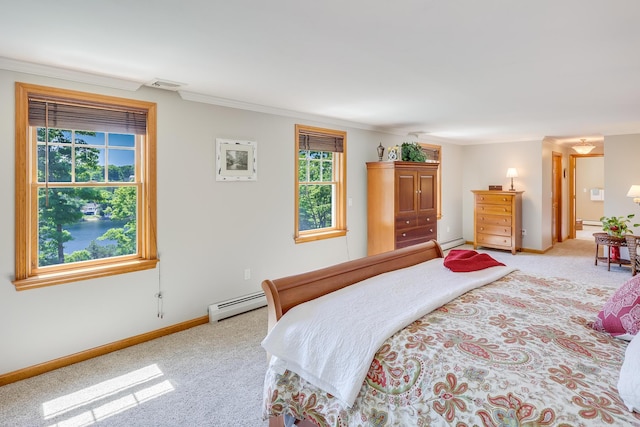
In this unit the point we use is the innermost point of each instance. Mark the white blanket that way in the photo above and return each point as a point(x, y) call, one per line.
point(331, 341)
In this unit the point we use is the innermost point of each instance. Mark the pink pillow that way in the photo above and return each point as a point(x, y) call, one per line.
point(620, 315)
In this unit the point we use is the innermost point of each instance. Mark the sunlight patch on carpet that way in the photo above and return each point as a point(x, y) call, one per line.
point(108, 398)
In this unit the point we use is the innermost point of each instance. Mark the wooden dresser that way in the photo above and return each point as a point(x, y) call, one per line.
point(497, 220)
point(401, 205)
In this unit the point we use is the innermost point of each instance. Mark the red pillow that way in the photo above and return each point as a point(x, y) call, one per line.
point(464, 260)
point(620, 315)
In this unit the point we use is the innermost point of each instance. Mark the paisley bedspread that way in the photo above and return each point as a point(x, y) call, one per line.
point(516, 352)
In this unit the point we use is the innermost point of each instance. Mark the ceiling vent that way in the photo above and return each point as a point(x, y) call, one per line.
point(165, 84)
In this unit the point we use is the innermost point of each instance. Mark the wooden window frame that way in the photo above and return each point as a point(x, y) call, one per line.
point(339, 177)
point(28, 275)
point(438, 150)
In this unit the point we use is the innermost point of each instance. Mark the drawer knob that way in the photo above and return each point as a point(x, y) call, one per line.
point(504, 199)
point(428, 219)
point(431, 230)
point(404, 234)
point(505, 209)
point(407, 221)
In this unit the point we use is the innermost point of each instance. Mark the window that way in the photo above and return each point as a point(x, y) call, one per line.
point(433, 154)
point(85, 186)
point(321, 182)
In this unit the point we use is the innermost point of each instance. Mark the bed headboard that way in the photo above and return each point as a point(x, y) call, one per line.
point(287, 292)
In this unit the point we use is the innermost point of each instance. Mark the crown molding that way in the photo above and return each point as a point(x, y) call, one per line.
point(64, 74)
point(132, 86)
point(225, 102)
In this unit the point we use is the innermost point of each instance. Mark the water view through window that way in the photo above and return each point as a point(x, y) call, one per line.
point(84, 232)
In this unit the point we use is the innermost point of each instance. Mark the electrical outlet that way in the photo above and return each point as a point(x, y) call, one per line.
point(247, 273)
point(524, 232)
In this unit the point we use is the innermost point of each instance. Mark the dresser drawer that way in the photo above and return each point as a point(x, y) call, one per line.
point(501, 220)
point(493, 209)
point(493, 229)
point(493, 240)
point(493, 199)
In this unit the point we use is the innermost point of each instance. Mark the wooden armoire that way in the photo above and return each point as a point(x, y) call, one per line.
point(401, 204)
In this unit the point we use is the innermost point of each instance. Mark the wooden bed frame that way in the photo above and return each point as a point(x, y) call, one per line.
point(287, 292)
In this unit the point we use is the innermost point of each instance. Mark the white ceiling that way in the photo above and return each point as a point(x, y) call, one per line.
point(466, 71)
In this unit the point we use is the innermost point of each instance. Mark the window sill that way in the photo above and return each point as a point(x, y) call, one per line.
point(60, 277)
point(310, 237)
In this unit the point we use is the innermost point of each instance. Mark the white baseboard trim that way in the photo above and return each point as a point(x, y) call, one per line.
point(452, 243)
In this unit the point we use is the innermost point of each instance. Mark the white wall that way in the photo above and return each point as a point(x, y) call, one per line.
point(487, 164)
point(450, 225)
point(622, 169)
point(209, 232)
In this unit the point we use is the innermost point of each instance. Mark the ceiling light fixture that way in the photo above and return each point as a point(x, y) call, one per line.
point(583, 147)
point(417, 133)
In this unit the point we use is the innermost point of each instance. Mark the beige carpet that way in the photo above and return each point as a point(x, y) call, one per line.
point(210, 375)
point(572, 259)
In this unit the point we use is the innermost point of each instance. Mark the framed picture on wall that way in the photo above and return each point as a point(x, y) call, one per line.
point(236, 160)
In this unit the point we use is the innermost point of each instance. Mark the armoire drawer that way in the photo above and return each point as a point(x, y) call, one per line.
point(413, 237)
point(415, 233)
point(406, 243)
point(403, 223)
point(427, 220)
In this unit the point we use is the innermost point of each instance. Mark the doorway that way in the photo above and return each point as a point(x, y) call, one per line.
point(556, 198)
point(586, 190)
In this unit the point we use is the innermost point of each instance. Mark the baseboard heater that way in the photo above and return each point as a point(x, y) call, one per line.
point(452, 243)
point(228, 308)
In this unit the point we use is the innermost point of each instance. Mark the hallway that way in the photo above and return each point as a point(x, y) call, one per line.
point(587, 232)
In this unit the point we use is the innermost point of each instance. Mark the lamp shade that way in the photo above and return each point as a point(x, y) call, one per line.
point(512, 173)
point(634, 191)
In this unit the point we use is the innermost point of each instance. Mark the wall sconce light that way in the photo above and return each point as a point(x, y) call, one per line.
point(380, 152)
point(512, 173)
point(634, 192)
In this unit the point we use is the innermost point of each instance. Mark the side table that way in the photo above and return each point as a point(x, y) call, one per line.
point(609, 241)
